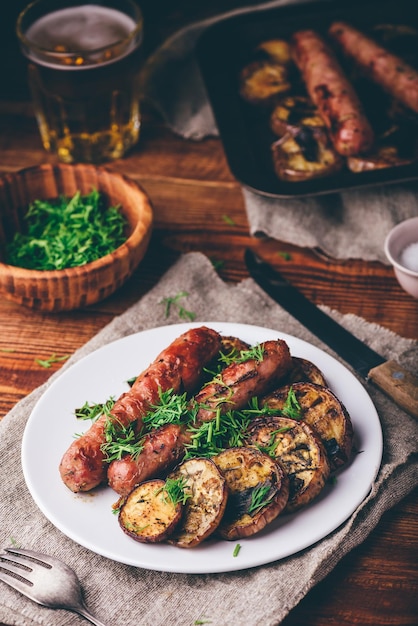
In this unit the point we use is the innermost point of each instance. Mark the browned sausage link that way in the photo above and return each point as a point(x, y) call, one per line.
point(239, 382)
point(162, 448)
point(389, 71)
point(178, 367)
point(233, 388)
point(331, 91)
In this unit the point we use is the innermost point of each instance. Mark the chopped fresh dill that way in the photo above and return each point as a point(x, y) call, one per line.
point(217, 263)
point(52, 359)
point(285, 255)
point(67, 232)
point(172, 409)
point(175, 490)
point(173, 301)
point(236, 549)
point(93, 411)
point(223, 431)
point(131, 381)
point(120, 441)
point(256, 353)
point(259, 499)
point(291, 407)
point(271, 447)
point(228, 220)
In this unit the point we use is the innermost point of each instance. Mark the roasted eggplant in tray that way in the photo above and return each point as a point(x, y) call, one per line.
point(328, 111)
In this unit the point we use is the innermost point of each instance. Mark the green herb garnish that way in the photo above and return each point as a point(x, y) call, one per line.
point(228, 220)
point(120, 440)
point(175, 490)
point(259, 499)
point(93, 411)
point(67, 232)
point(52, 359)
point(171, 409)
point(173, 301)
point(291, 407)
point(236, 549)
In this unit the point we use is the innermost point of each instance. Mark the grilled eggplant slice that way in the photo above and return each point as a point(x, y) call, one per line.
point(205, 507)
point(304, 370)
point(258, 491)
point(262, 81)
point(305, 155)
point(147, 514)
point(322, 410)
point(299, 450)
point(292, 113)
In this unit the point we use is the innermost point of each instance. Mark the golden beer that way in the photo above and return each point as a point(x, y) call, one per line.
point(84, 62)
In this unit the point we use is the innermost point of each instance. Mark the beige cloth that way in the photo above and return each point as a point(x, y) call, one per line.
point(350, 224)
point(126, 596)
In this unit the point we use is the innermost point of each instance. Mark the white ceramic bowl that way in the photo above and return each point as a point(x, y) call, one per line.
point(405, 264)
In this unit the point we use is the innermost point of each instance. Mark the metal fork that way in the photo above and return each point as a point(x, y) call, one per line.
point(45, 580)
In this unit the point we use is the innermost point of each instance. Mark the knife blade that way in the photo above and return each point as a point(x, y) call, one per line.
point(389, 376)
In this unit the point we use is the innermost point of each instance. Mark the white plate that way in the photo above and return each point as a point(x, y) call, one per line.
point(87, 518)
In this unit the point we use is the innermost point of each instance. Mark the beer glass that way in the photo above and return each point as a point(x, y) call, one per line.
point(83, 65)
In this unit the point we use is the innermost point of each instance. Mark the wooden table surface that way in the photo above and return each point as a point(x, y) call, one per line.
point(192, 189)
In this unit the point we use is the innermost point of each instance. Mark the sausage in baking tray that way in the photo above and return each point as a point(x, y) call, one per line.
point(333, 94)
point(395, 76)
point(178, 367)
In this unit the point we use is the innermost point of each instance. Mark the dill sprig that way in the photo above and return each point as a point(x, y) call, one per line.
point(174, 302)
point(259, 498)
point(171, 409)
point(291, 407)
point(67, 232)
point(121, 440)
point(175, 490)
point(91, 411)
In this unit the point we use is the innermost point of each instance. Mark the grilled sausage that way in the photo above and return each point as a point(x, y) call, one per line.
point(241, 381)
point(178, 367)
point(331, 91)
point(231, 389)
point(162, 449)
point(395, 76)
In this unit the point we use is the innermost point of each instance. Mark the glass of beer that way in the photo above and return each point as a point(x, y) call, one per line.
point(83, 62)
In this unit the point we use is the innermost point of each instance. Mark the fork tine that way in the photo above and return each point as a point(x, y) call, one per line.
point(43, 559)
point(25, 588)
point(16, 559)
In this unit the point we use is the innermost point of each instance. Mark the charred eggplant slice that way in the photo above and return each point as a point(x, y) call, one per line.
point(205, 506)
point(258, 491)
point(300, 451)
point(322, 410)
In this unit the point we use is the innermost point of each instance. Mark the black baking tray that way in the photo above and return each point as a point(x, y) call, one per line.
point(227, 46)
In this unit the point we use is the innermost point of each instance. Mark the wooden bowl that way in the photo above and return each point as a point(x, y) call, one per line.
point(66, 289)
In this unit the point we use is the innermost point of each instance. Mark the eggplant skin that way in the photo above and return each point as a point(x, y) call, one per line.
point(325, 413)
point(300, 452)
point(247, 469)
point(147, 514)
point(303, 370)
point(205, 507)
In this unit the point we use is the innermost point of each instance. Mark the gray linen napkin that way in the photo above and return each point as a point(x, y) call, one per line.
point(124, 595)
point(351, 224)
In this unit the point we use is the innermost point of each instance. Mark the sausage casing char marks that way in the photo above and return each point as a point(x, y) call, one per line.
point(241, 381)
point(231, 389)
point(178, 367)
point(389, 71)
point(331, 91)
